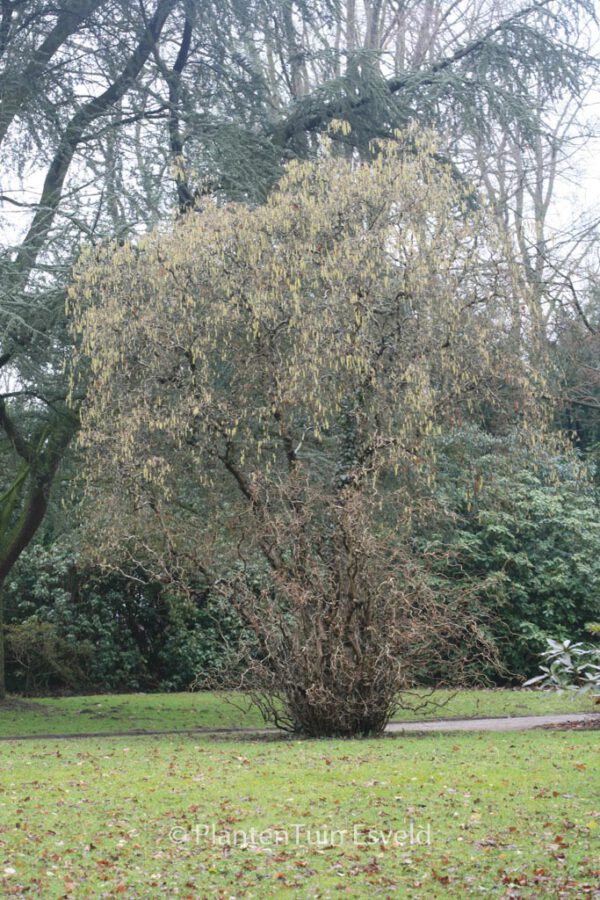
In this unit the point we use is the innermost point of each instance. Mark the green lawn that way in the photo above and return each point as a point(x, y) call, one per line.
point(151, 712)
point(506, 815)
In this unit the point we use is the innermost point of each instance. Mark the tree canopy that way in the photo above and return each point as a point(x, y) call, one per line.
point(263, 386)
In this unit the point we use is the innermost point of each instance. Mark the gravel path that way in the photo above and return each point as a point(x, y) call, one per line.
point(513, 723)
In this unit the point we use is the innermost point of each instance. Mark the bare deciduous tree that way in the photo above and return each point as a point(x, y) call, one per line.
point(263, 386)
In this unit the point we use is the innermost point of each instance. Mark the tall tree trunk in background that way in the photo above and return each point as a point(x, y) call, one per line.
point(40, 449)
point(2, 663)
point(24, 505)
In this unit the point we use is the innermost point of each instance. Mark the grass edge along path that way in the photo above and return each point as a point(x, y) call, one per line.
point(113, 713)
point(565, 721)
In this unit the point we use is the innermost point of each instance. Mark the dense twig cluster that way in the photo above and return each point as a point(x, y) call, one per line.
point(349, 619)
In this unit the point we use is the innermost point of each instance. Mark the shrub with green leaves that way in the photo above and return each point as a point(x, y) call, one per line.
point(522, 528)
point(46, 596)
point(526, 525)
point(569, 666)
point(74, 629)
point(42, 656)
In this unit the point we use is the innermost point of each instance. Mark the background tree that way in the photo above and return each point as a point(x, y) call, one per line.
point(43, 87)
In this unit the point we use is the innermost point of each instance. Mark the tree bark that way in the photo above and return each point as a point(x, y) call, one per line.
point(29, 521)
point(2, 660)
point(41, 461)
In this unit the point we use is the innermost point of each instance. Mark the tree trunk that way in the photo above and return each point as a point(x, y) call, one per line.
point(18, 529)
point(2, 663)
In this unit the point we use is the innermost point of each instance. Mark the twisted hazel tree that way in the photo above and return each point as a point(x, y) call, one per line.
point(263, 385)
